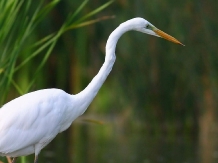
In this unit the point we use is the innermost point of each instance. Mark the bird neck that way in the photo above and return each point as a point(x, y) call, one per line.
point(86, 96)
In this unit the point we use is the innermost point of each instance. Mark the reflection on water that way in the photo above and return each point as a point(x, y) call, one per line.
point(130, 143)
point(143, 147)
point(148, 148)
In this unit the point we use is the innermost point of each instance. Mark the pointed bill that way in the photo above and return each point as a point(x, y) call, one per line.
point(166, 36)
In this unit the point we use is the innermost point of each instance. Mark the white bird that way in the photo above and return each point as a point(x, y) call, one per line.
point(29, 122)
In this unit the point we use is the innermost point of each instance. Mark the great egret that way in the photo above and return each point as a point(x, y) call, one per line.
point(29, 122)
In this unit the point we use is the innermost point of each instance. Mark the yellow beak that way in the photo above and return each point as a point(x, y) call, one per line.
point(166, 36)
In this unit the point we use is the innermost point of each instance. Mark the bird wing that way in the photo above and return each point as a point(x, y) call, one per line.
point(29, 119)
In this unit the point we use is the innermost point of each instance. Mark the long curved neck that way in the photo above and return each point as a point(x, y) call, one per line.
point(87, 95)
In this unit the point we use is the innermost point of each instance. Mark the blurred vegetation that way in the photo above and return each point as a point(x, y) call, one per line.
point(155, 88)
point(20, 44)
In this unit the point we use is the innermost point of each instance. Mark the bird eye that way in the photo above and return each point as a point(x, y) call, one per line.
point(147, 26)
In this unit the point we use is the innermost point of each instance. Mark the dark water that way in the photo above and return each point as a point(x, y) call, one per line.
point(146, 148)
point(152, 149)
point(126, 143)
point(133, 143)
point(115, 143)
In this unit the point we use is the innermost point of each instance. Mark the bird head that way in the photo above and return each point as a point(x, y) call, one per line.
point(142, 25)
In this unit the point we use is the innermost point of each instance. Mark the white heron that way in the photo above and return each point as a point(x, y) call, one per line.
point(29, 122)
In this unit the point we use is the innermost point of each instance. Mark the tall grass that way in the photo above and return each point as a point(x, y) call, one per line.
point(19, 44)
point(18, 22)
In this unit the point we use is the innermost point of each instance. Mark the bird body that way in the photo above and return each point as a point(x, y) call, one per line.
point(29, 122)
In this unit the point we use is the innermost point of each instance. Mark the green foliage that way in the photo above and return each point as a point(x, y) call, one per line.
point(156, 88)
point(18, 41)
point(20, 46)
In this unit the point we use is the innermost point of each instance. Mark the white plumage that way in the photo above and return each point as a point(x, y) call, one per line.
point(28, 123)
